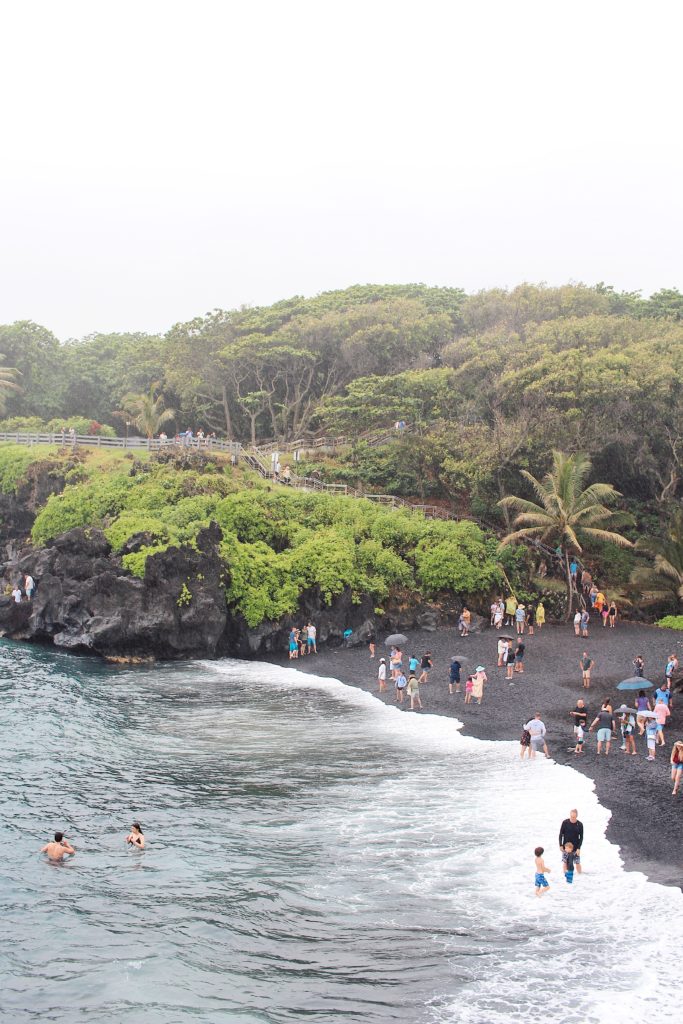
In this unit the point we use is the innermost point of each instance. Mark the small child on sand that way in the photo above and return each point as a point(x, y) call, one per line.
point(541, 883)
point(568, 858)
point(469, 686)
point(580, 737)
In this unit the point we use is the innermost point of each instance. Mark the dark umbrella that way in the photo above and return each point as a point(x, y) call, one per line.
point(461, 658)
point(635, 683)
point(502, 636)
point(396, 639)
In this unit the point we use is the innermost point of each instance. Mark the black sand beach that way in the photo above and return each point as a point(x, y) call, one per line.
point(647, 821)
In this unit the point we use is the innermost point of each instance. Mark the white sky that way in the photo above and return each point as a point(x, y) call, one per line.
point(161, 159)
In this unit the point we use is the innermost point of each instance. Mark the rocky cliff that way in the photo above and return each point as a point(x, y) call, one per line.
point(86, 601)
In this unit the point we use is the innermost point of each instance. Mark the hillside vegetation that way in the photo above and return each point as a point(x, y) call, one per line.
point(276, 543)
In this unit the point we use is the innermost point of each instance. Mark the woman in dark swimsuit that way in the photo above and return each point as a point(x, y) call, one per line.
point(135, 837)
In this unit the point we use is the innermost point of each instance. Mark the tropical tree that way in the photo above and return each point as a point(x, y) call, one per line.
point(663, 581)
point(567, 512)
point(8, 382)
point(147, 411)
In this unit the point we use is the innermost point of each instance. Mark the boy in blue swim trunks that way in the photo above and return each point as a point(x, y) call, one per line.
point(568, 861)
point(541, 882)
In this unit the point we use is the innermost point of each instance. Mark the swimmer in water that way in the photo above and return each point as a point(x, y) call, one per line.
point(57, 850)
point(135, 837)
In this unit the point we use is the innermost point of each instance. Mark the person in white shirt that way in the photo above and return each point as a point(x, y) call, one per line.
point(536, 730)
point(29, 586)
point(16, 594)
point(382, 674)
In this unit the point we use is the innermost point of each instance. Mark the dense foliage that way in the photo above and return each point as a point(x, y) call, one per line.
point(276, 543)
point(488, 383)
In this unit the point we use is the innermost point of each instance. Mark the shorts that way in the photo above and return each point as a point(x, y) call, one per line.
point(310, 642)
point(293, 646)
point(604, 735)
point(651, 742)
point(677, 767)
point(576, 729)
point(537, 743)
point(540, 881)
point(660, 727)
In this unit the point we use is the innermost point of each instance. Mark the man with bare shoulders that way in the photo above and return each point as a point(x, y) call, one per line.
point(60, 848)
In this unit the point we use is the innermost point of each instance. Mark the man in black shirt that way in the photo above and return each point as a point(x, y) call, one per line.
point(571, 831)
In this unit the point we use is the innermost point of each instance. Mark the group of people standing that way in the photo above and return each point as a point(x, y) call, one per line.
point(511, 612)
point(403, 684)
point(303, 641)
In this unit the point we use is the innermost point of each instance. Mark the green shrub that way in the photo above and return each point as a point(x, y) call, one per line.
point(456, 556)
point(671, 622)
point(14, 461)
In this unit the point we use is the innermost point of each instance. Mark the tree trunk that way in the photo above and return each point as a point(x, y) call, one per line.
point(569, 586)
point(226, 411)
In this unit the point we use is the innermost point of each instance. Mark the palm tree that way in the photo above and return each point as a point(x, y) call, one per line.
point(8, 382)
point(147, 411)
point(567, 512)
point(663, 581)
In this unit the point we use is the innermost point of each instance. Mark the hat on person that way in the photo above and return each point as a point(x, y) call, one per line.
point(480, 668)
point(382, 660)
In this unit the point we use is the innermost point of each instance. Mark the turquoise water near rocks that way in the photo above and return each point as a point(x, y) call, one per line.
point(312, 856)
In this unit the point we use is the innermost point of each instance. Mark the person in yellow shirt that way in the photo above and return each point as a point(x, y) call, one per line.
point(599, 602)
point(510, 609)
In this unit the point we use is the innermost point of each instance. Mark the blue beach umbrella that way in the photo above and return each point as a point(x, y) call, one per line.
point(635, 683)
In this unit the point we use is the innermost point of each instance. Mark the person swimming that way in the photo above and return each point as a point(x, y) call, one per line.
point(60, 848)
point(135, 836)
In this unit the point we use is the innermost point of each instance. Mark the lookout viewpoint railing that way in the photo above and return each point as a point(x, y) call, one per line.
point(252, 457)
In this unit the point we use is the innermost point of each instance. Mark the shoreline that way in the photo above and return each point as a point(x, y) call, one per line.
point(646, 821)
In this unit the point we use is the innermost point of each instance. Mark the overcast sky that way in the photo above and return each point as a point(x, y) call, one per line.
point(161, 159)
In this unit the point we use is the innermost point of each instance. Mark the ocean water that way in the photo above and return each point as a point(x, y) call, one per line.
point(313, 856)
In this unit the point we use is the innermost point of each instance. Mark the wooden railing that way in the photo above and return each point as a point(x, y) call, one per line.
point(253, 457)
point(147, 444)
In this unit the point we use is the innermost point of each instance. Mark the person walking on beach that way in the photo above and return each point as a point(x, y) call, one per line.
point(540, 615)
point(525, 743)
point(585, 619)
point(663, 692)
point(580, 715)
point(642, 704)
point(395, 662)
point(530, 619)
point(519, 657)
point(571, 831)
point(401, 683)
point(371, 644)
point(586, 665)
point(382, 674)
point(520, 619)
point(509, 659)
point(425, 667)
point(500, 613)
point(293, 644)
point(639, 666)
point(465, 621)
point(311, 638)
point(541, 883)
point(502, 647)
point(510, 609)
point(414, 693)
point(671, 668)
point(651, 729)
point(661, 714)
point(577, 623)
point(605, 722)
point(135, 837)
point(568, 862)
point(454, 676)
point(612, 614)
point(677, 766)
point(478, 680)
point(628, 729)
point(60, 848)
point(469, 689)
point(536, 728)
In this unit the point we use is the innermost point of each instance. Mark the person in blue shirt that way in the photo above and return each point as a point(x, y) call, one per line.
point(454, 676)
point(664, 693)
point(413, 665)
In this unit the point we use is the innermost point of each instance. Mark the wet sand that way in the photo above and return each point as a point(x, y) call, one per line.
point(647, 821)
